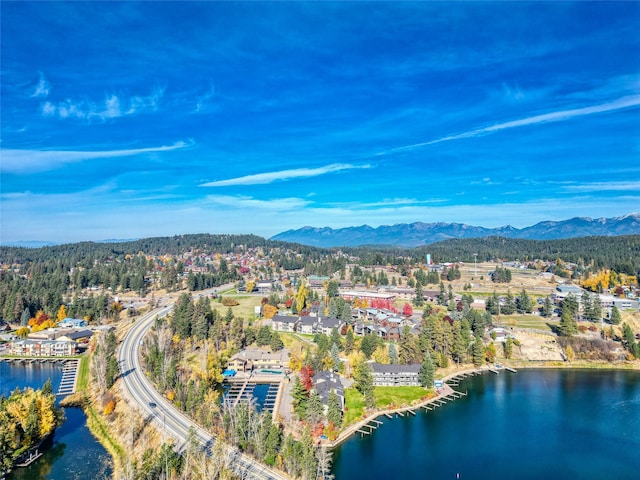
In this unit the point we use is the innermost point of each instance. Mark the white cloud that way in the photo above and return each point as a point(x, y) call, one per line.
point(244, 202)
point(203, 100)
point(270, 177)
point(29, 161)
point(619, 104)
point(42, 88)
point(113, 106)
point(604, 186)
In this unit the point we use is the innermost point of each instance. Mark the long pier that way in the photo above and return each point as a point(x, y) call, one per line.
point(69, 380)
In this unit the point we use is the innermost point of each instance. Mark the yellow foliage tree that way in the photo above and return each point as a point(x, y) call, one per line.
point(23, 332)
point(301, 296)
point(62, 313)
point(598, 281)
point(249, 286)
point(268, 311)
point(381, 355)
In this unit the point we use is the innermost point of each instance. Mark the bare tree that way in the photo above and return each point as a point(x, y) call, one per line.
point(324, 458)
point(99, 363)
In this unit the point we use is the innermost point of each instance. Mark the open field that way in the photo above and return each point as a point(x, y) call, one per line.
point(385, 397)
point(534, 322)
point(245, 309)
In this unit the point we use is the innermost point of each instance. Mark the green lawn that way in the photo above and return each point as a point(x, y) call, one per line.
point(83, 374)
point(385, 397)
point(535, 322)
point(399, 396)
point(354, 406)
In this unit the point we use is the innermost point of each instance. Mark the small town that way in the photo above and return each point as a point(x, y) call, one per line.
point(318, 357)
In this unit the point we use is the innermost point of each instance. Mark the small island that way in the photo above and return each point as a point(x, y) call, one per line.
point(27, 418)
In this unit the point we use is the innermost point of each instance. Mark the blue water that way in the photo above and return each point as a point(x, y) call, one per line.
point(72, 453)
point(534, 424)
point(259, 394)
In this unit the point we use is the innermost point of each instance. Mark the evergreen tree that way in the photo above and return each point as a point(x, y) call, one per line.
point(276, 343)
point(478, 351)
point(523, 303)
point(349, 341)
point(547, 307)
point(616, 318)
point(25, 317)
point(427, 371)
point(334, 410)
point(314, 409)
point(335, 357)
point(419, 300)
point(300, 395)
point(363, 382)
point(509, 307)
point(346, 313)
point(335, 338)
point(568, 325)
point(393, 353)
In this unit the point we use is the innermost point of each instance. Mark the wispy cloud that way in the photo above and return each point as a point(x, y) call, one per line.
point(203, 100)
point(561, 115)
point(30, 161)
point(245, 202)
point(270, 177)
point(604, 186)
point(42, 88)
point(113, 106)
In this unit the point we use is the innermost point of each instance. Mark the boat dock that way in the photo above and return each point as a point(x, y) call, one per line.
point(69, 379)
point(243, 391)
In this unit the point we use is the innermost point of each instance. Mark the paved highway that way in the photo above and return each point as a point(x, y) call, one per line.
point(167, 417)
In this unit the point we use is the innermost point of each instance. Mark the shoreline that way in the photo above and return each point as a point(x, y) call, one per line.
point(447, 390)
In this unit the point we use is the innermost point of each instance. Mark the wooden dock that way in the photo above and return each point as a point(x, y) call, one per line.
point(69, 379)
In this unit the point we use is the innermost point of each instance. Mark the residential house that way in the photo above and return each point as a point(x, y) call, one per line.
point(252, 359)
point(324, 382)
point(264, 286)
point(73, 323)
point(395, 375)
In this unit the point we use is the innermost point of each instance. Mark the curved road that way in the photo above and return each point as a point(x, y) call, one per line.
point(168, 418)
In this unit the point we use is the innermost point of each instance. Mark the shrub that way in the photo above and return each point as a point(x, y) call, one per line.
point(230, 302)
point(109, 407)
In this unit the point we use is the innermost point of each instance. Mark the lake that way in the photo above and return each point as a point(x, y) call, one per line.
point(72, 453)
point(551, 424)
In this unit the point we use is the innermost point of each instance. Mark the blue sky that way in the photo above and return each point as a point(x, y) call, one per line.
point(129, 120)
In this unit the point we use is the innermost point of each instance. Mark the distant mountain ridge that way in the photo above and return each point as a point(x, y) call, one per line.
point(419, 233)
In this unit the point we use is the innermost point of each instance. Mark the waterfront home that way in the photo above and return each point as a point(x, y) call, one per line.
point(395, 375)
point(323, 383)
point(252, 359)
point(43, 348)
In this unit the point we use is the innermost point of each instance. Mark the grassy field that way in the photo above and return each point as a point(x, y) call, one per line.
point(535, 322)
point(245, 309)
point(386, 397)
point(83, 374)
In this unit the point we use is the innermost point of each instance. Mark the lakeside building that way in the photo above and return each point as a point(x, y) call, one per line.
point(324, 382)
point(256, 358)
point(43, 348)
point(395, 375)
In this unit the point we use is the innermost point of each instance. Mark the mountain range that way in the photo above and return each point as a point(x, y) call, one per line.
point(418, 233)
